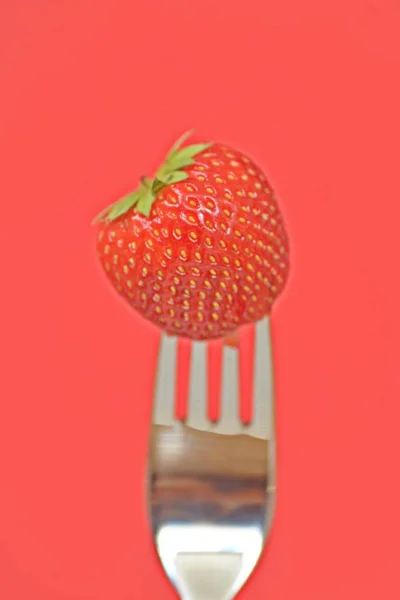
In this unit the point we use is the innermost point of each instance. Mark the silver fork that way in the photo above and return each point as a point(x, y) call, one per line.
point(212, 485)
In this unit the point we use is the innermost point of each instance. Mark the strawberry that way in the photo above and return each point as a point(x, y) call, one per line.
point(201, 248)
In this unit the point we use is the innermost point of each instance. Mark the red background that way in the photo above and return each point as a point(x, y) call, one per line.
point(92, 94)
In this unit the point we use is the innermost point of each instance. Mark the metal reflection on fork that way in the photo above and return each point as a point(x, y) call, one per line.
point(212, 485)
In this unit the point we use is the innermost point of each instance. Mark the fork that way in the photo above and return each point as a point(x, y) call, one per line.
point(212, 484)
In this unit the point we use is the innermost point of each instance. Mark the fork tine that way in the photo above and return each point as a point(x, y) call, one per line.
point(263, 383)
point(230, 387)
point(197, 403)
point(164, 405)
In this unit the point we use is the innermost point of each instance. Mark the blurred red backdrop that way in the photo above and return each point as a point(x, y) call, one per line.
point(92, 94)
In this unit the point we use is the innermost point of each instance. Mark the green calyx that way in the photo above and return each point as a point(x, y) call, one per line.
point(170, 172)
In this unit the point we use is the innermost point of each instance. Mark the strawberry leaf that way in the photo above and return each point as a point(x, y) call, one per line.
point(191, 151)
point(158, 185)
point(145, 203)
point(177, 176)
point(180, 162)
point(179, 143)
point(118, 208)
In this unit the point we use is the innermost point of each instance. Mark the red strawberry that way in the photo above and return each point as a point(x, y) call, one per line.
point(200, 249)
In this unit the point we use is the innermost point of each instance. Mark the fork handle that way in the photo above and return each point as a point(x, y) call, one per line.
point(207, 575)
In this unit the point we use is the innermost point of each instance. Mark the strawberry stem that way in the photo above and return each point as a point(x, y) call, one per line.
point(170, 172)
